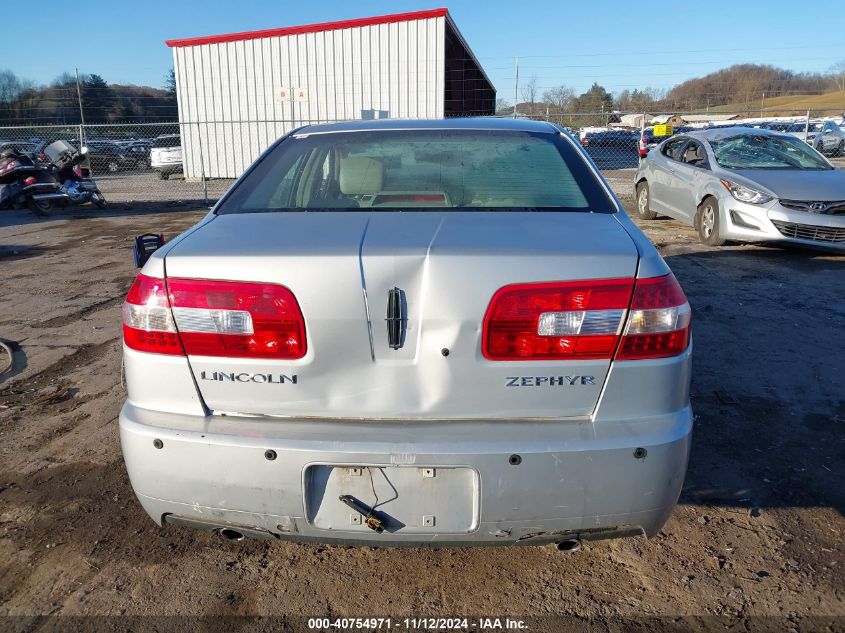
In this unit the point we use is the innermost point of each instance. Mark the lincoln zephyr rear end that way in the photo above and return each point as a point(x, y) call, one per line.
point(410, 333)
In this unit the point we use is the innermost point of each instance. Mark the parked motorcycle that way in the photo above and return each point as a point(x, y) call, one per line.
point(26, 184)
point(72, 168)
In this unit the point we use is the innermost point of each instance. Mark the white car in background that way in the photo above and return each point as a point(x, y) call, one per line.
point(166, 155)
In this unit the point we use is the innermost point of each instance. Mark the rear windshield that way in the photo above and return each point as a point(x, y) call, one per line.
point(751, 151)
point(420, 169)
point(167, 141)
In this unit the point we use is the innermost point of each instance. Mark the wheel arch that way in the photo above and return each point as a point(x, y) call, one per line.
point(710, 191)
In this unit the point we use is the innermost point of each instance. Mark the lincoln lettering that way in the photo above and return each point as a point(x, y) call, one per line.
point(231, 376)
point(549, 381)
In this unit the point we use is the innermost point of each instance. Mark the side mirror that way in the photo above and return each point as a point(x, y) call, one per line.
point(145, 245)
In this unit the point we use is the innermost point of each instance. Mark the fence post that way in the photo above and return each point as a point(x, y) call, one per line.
point(642, 133)
point(202, 166)
point(807, 126)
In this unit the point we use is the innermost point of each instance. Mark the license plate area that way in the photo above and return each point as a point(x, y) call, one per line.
point(412, 499)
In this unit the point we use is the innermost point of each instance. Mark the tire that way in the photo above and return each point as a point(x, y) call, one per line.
point(840, 149)
point(644, 211)
point(41, 208)
point(113, 167)
point(707, 223)
point(98, 200)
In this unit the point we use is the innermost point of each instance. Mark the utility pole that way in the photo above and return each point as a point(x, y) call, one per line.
point(81, 112)
point(762, 104)
point(516, 88)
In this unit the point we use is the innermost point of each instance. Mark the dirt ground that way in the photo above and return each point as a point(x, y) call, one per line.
point(758, 531)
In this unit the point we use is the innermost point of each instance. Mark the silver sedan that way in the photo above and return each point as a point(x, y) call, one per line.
point(529, 384)
point(744, 184)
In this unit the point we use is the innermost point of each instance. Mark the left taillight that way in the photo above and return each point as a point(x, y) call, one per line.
point(148, 324)
point(205, 317)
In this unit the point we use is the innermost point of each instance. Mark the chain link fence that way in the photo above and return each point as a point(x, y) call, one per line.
point(197, 162)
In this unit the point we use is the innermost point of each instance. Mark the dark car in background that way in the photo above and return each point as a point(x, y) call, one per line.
point(618, 139)
point(138, 152)
point(109, 157)
point(27, 147)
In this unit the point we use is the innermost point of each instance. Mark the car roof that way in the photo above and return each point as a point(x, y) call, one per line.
point(455, 123)
point(718, 133)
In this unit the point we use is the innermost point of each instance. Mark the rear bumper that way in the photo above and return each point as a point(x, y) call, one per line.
point(574, 480)
point(166, 165)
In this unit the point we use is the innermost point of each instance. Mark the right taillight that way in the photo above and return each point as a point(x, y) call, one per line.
point(205, 317)
point(566, 320)
point(658, 323)
point(590, 319)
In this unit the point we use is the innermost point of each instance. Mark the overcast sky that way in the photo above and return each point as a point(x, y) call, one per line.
point(618, 44)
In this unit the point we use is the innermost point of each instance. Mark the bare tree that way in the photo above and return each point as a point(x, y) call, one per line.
point(529, 93)
point(838, 71)
point(503, 105)
point(10, 86)
point(560, 97)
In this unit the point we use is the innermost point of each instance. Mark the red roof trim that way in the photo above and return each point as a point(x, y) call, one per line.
point(309, 28)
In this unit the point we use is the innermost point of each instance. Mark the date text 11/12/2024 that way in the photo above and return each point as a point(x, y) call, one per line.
point(418, 624)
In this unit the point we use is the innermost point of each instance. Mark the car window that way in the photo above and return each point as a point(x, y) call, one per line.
point(403, 169)
point(752, 151)
point(694, 154)
point(672, 148)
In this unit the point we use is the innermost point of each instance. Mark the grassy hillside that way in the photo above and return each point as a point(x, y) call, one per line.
point(832, 102)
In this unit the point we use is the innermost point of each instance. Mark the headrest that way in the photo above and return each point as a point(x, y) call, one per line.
point(361, 175)
point(694, 152)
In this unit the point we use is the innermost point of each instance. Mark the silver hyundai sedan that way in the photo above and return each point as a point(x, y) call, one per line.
point(745, 184)
point(410, 333)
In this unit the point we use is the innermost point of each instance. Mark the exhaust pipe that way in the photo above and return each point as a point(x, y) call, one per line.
point(570, 546)
point(50, 196)
point(228, 531)
point(230, 535)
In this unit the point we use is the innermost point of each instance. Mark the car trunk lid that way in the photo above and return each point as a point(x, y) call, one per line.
point(344, 267)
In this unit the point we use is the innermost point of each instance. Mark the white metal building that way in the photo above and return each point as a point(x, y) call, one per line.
point(239, 92)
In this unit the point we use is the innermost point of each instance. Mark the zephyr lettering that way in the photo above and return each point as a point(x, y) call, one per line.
point(549, 381)
point(275, 379)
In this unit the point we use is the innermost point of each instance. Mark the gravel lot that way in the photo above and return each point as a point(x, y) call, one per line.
point(758, 531)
